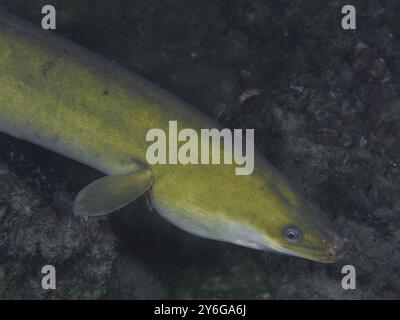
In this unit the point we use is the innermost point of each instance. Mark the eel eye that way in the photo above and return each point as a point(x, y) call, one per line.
point(292, 234)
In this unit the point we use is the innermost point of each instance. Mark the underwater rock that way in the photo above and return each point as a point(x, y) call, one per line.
point(33, 234)
point(132, 280)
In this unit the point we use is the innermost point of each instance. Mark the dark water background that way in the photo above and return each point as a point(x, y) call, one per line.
point(324, 112)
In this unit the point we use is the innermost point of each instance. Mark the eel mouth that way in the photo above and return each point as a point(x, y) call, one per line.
point(334, 252)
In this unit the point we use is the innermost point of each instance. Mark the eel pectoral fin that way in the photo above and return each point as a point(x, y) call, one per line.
point(110, 193)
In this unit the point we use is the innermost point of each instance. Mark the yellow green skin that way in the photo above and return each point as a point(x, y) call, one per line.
point(60, 96)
